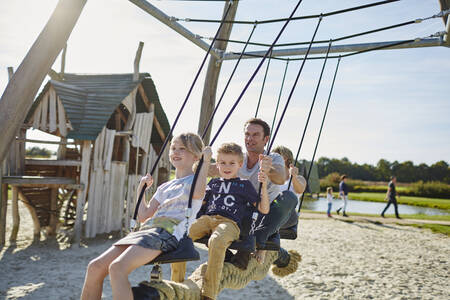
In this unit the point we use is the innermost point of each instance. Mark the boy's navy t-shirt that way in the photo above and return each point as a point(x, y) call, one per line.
point(343, 188)
point(229, 197)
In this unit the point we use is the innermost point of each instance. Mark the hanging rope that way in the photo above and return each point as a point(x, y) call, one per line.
point(228, 83)
point(263, 84)
point(279, 97)
point(310, 110)
point(293, 88)
point(136, 209)
point(320, 132)
point(254, 73)
point(336, 12)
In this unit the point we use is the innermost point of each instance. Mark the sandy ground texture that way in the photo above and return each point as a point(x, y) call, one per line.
point(342, 259)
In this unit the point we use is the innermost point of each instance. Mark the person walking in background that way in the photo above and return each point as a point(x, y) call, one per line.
point(391, 197)
point(329, 200)
point(343, 193)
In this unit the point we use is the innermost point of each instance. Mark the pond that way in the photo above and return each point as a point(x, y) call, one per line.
point(367, 207)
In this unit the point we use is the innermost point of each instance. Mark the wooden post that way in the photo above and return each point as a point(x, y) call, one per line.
point(137, 60)
point(81, 196)
point(212, 74)
point(22, 88)
point(34, 217)
point(3, 207)
point(63, 62)
point(15, 215)
point(54, 213)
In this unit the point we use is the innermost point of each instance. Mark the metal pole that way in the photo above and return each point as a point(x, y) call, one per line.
point(165, 19)
point(428, 42)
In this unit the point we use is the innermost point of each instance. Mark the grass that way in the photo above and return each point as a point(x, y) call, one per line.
point(409, 200)
point(436, 228)
point(414, 216)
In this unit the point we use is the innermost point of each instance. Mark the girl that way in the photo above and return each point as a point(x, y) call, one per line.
point(164, 222)
point(298, 183)
point(329, 199)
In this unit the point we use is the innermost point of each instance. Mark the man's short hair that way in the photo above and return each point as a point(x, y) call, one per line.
point(231, 148)
point(263, 124)
point(343, 177)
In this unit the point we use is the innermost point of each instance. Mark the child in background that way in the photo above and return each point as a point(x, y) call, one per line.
point(330, 200)
point(164, 222)
point(226, 200)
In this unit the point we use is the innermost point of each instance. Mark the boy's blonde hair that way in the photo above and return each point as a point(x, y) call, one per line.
point(286, 153)
point(329, 189)
point(192, 142)
point(231, 148)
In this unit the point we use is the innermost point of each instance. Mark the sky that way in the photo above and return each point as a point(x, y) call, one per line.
point(391, 104)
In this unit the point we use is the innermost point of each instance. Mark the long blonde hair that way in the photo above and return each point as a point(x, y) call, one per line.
point(192, 142)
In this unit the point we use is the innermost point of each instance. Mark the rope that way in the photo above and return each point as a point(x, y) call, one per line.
point(133, 221)
point(228, 83)
point(263, 84)
point(293, 88)
point(310, 110)
point(320, 131)
point(279, 97)
point(334, 40)
point(254, 74)
point(336, 12)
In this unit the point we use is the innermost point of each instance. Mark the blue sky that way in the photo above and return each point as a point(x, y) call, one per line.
point(391, 104)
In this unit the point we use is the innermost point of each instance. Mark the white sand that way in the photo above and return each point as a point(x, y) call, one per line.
point(341, 260)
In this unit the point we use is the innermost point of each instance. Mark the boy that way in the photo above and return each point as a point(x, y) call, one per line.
point(226, 199)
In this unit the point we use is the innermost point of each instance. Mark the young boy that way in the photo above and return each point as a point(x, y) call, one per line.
point(225, 199)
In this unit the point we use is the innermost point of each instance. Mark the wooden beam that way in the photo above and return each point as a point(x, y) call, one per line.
point(54, 213)
point(81, 195)
point(3, 209)
point(212, 74)
point(22, 88)
point(34, 217)
point(144, 97)
point(45, 142)
point(15, 215)
point(63, 61)
point(45, 162)
point(137, 60)
point(31, 181)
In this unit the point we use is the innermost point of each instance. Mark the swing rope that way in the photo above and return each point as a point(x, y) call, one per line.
point(336, 12)
point(320, 131)
point(136, 209)
point(279, 97)
point(228, 83)
point(263, 84)
point(310, 110)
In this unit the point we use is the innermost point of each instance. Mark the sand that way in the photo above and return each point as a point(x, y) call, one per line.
point(341, 260)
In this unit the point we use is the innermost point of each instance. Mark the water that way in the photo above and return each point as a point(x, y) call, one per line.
point(367, 207)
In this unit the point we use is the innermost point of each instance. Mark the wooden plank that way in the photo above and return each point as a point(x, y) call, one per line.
point(144, 97)
point(118, 170)
point(137, 59)
point(15, 215)
point(20, 148)
point(37, 180)
point(54, 214)
point(34, 217)
point(130, 198)
point(22, 88)
point(109, 144)
point(62, 126)
point(98, 202)
point(44, 112)
point(46, 142)
point(3, 209)
point(52, 110)
point(81, 194)
point(104, 213)
point(37, 117)
point(48, 162)
point(91, 203)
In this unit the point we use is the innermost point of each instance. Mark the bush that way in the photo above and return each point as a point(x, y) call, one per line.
point(433, 189)
point(333, 180)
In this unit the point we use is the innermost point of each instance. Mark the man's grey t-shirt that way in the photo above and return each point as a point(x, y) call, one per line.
point(252, 175)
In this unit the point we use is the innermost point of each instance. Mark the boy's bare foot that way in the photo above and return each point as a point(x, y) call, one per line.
point(260, 255)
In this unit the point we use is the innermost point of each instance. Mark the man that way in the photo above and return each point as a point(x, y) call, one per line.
point(343, 193)
point(391, 197)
